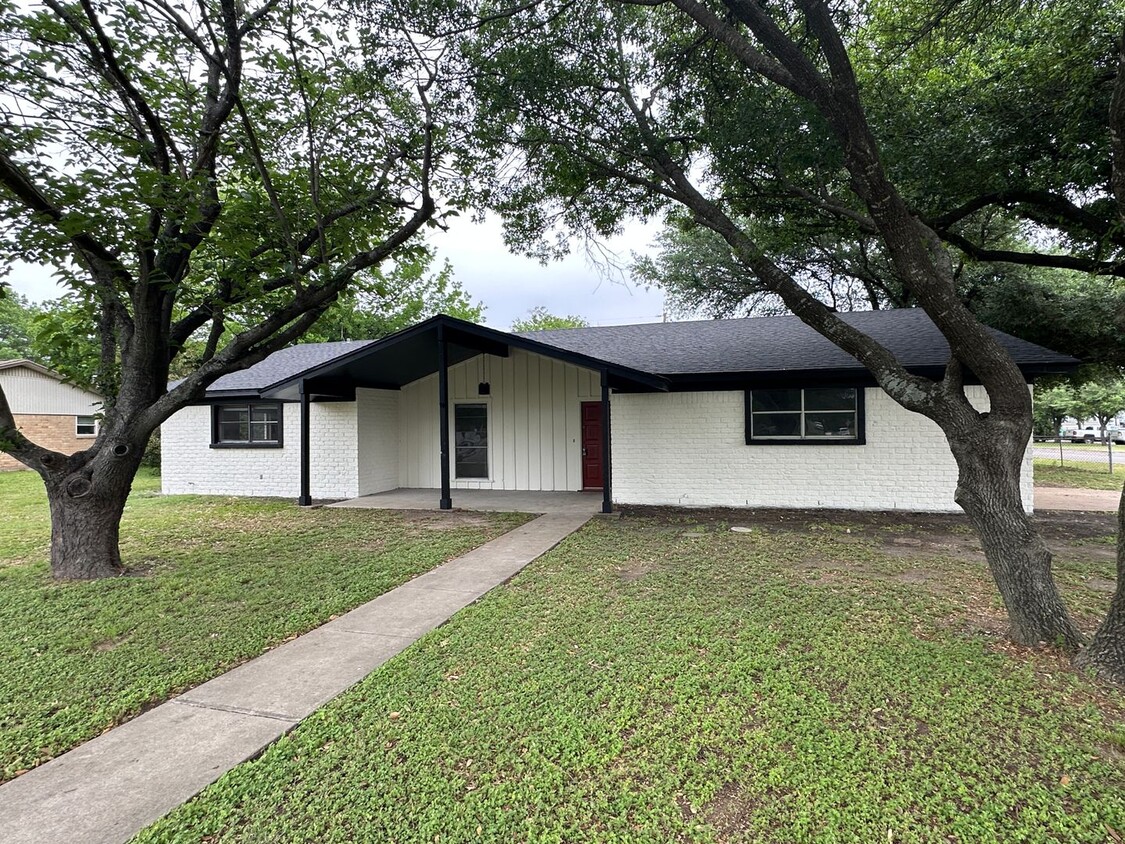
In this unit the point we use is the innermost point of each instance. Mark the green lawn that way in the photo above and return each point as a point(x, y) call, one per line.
point(1078, 475)
point(213, 582)
point(660, 678)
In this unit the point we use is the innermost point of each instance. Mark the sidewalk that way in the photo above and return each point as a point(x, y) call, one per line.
point(1086, 500)
point(111, 787)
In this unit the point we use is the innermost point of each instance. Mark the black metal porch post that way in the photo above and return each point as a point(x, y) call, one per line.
point(446, 502)
point(607, 461)
point(305, 499)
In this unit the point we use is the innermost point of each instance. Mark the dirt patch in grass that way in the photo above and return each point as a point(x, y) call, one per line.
point(730, 811)
point(635, 570)
point(901, 534)
point(449, 520)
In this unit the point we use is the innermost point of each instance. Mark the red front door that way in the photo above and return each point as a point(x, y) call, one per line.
point(591, 445)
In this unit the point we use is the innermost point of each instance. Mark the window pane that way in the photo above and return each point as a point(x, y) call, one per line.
point(234, 414)
point(830, 398)
point(776, 424)
point(234, 424)
point(470, 440)
point(264, 413)
point(828, 424)
point(767, 400)
point(85, 426)
point(263, 432)
point(233, 432)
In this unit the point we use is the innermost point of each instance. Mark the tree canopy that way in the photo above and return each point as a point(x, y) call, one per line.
point(784, 127)
point(209, 177)
point(16, 331)
point(540, 319)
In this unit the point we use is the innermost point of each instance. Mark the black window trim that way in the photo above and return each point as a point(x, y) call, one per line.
point(216, 409)
point(860, 420)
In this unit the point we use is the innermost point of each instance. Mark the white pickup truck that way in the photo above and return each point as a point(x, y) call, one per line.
point(1090, 434)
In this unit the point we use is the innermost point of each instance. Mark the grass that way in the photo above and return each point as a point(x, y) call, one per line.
point(661, 678)
point(1078, 475)
point(214, 582)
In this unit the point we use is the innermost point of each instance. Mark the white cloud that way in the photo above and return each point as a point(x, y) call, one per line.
point(511, 285)
point(34, 281)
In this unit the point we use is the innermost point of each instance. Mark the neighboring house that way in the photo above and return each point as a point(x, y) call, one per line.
point(760, 412)
point(51, 412)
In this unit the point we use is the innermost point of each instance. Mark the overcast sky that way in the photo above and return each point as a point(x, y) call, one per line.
point(508, 285)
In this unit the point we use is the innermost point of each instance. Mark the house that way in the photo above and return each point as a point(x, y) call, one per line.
point(758, 412)
point(51, 412)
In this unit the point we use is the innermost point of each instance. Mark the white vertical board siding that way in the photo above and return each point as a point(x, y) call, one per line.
point(689, 449)
point(189, 465)
point(377, 433)
point(534, 438)
point(35, 394)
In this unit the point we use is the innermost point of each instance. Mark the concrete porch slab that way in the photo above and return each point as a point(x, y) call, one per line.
point(482, 500)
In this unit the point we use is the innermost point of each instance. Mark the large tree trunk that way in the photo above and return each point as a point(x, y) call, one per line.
point(988, 490)
point(86, 508)
point(1105, 655)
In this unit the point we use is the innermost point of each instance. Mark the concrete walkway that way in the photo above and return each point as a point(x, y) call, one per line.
point(113, 786)
point(1085, 500)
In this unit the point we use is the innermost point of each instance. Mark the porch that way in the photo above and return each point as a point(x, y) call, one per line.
point(449, 408)
point(483, 500)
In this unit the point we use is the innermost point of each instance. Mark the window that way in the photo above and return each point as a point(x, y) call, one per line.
point(470, 440)
point(805, 415)
point(85, 426)
point(247, 425)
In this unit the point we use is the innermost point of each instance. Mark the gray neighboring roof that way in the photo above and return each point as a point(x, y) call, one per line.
point(772, 344)
point(24, 363)
point(284, 364)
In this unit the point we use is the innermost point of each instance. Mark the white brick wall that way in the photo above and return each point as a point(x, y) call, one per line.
point(690, 449)
point(190, 465)
point(378, 438)
point(668, 448)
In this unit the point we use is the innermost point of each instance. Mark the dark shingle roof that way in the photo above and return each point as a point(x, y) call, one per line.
point(286, 363)
point(704, 347)
point(770, 344)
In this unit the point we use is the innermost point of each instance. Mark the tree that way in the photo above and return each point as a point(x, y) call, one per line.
point(1100, 400)
point(1052, 405)
point(16, 316)
point(732, 111)
point(388, 301)
point(218, 171)
point(1067, 310)
point(540, 319)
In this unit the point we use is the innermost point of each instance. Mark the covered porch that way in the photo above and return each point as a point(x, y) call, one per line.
point(449, 408)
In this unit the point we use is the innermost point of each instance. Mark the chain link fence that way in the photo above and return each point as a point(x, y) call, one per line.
point(1091, 456)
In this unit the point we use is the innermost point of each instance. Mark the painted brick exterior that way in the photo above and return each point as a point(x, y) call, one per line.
point(50, 431)
point(190, 465)
point(689, 449)
point(378, 439)
point(685, 449)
